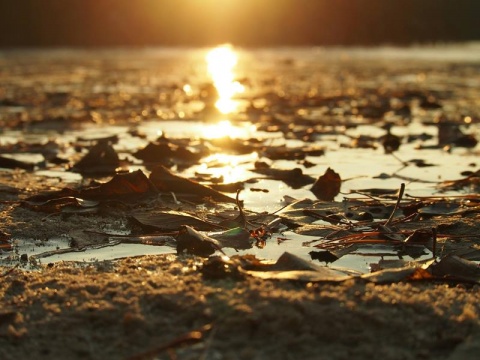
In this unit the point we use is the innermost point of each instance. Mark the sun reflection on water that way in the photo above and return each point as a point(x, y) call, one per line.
point(221, 62)
point(225, 128)
point(232, 168)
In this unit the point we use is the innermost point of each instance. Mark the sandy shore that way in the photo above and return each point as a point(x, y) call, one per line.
point(162, 307)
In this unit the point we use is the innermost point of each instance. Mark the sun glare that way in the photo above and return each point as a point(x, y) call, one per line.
point(224, 128)
point(221, 62)
point(228, 168)
point(231, 167)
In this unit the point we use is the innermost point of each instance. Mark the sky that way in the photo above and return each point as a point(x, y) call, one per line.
point(105, 23)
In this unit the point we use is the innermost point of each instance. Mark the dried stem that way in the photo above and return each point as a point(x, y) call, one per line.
point(400, 195)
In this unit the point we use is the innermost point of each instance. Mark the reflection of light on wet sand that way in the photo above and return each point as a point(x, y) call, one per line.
point(221, 62)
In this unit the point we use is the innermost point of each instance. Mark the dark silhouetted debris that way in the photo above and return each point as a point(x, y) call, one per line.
point(389, 141)
point(196, 243)
point(327, 186)
point(295, 178)
point(19, 161)
point(102, 159)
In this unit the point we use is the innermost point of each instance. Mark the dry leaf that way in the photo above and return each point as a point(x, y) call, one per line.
point(131, 186)
point(327, 186)
point(165, 181)
point(171, 220)
point(101, 159)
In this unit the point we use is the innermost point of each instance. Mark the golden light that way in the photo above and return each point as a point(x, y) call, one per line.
point(221, 62)
point(227, 168)
point(231, 167)
point(224, 128)
point(187, 88)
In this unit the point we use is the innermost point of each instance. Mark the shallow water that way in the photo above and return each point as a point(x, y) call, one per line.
point(159, 92)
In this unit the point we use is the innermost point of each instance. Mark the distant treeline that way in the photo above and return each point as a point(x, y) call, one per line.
point(241, 22)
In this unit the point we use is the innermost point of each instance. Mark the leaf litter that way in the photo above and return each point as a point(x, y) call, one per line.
point(341, 233)
point(147, 193)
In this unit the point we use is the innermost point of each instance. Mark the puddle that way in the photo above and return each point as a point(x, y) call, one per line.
point(361, 168)
point(369, 258)
point(362, 260)
point(111, 253)
point(58, 249)
point(61, 175)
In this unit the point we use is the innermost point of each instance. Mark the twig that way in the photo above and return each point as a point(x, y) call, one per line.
point(208, 344)
point(69, 250)
point(175, 201)
point(188, 338)
point(404, 163)
point(400, 195)
point(352, 236)
point(9, 271)
point(354, 178)
point(283, 207)
point(147, 240)
point(434, 245)
point(153, 234)
point(240, 208)
point(433, 197)
point(313, 214)
point(376, 199)
point(411, 180)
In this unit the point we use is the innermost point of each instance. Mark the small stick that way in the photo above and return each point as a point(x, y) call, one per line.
point(191, 337)
point(74, 249)
point(240, 208)
point(9, 271)
point(208, 343)
point(433, 197)
point(404, 163)
point(326, 218)
point(405, 219)
point(400, 195)
point(434, 245)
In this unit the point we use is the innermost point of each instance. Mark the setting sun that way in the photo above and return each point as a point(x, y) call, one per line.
point(221, 62)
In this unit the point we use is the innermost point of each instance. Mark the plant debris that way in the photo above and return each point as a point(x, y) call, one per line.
point(116, 155)
point(327, 186)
